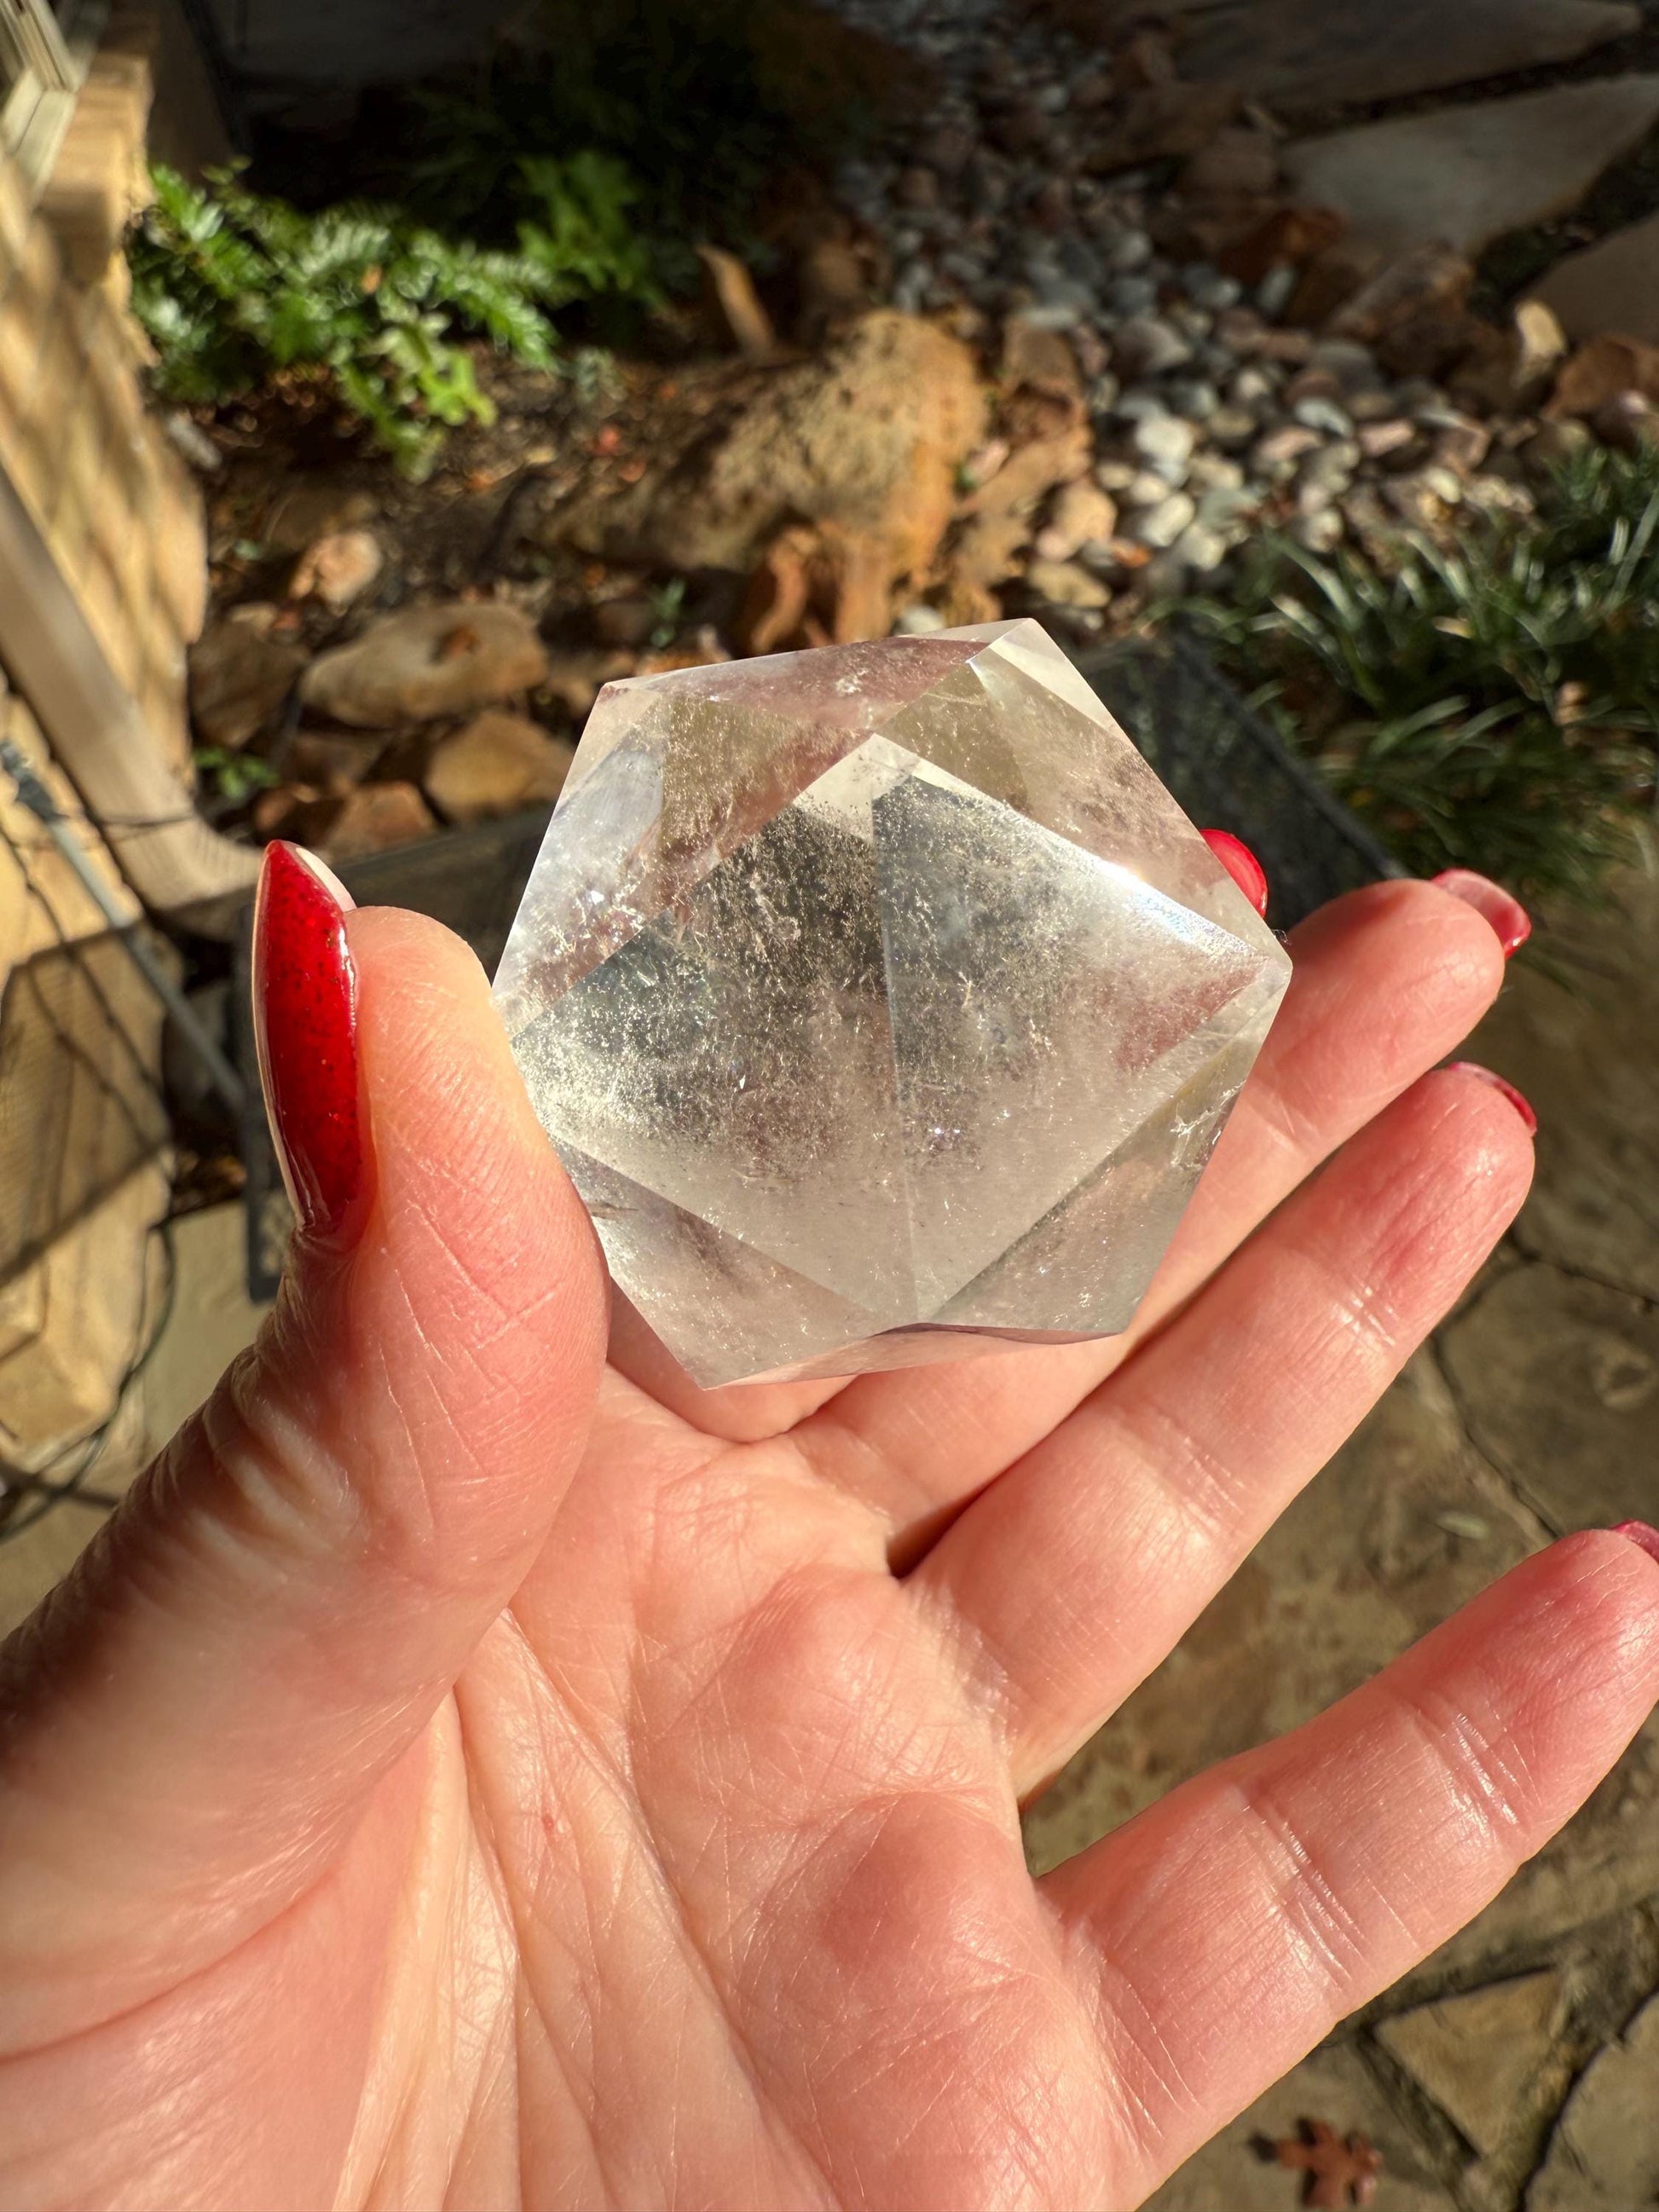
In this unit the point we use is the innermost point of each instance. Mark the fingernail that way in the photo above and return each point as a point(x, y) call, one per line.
point(305, 1021)
point(1639, 1533)
point(1241, 864)
point(1509, 1090)
point(1511, 923)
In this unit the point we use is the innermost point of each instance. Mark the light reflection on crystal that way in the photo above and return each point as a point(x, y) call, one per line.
point(882, 1003)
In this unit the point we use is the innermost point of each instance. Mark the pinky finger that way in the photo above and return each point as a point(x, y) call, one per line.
point(1229, 1927)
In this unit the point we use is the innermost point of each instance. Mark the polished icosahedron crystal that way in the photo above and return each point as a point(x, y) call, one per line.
point(881, 1003)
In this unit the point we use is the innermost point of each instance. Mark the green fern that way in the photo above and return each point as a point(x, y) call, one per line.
point(234, 287)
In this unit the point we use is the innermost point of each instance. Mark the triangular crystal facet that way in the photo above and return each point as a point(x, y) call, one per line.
point(882, 1003)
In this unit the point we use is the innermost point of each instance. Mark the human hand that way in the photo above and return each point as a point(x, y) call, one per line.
point(457, 1775)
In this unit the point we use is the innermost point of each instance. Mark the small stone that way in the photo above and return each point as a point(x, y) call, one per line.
point(1321, 533)
point(1189, 322)
point(1628, 422)
point(1067, 584)
point(1239, 329)
point(1462, 444)
point(1166, 444)
point(497, 764)
point(1114, 475)
point(1103, 393)
point(1208, 289)
point(1416, 501)
point(1377, 405)
point(1318, 413)
point(1273, 294)
point(1128, 250)
point(1127, 298)
point(1199, 548)
point(1142, 405)
point(1191, 397)
point(1477, 2054)
point(337, 570)
point(917, 187)
point(240, 673)
point(1445, 484)
point(1214, 472)
point(1283, 448)
point(1235, 164)
point(919, 620)
point(1254, 387)
point(1223, 507)
point(375, 818)
point(1159, 526)
point(1232, 426)
point(426, 661)
point(1376, 440)
point(1146, 346)
point(306, 512)
point(1079, 511)
point(1165, 576)
point(1146, 488)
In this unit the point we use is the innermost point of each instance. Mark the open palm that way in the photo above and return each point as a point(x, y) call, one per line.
point(460, 1776)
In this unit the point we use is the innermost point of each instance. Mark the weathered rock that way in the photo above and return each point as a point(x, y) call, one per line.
point(337, 570)
point(832, 286)
point(1299, 55)
point(1287, 239)
point(497, 764)
point(1611, 286)
point(1430, 281)
point(1000, 518)
point(1065, 583)
point(426, 661)
point(1599, 370)
point(1604, 2153)
point(867, 435)
point(1629, 422)
point(306, 512)
point(815, 586)
point(1149, 345)
point(1476, 2054)
point(1080, 511)
point(241, 670)
point(375, 819)
point(1463, 176)
point(1159, 526)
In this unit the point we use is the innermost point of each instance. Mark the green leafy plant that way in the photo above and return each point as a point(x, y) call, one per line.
point(234, 776)
point(1493, 706)
point(237, 290)
point(702, 102)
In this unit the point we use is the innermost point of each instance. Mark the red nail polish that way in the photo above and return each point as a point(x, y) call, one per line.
point(1639, 1533)
point(1241, 864)
point(1508, 1090)
point(304, 1019)
point(1510, 922)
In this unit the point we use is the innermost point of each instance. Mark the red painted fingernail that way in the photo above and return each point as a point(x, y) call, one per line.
point(1511, 923)
point(1241, 864)
point(305, 1020)
point(1509, 1090)
point(1639, 1533)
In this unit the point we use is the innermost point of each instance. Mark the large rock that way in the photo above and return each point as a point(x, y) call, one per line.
point(241, 670)
point(1478, 2054)
point(412, 666)
point(1611, 286)
point(1466, 175)
point(498, 763)
point(1299, 55)
point(866, 437)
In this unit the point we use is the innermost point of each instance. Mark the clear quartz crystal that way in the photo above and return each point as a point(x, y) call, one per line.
point(881, 1003)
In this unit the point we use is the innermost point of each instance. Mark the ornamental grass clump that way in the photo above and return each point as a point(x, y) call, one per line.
point(1492, 705)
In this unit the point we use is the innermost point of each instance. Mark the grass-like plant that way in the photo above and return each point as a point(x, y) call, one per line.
point(235, 289)
point(1494, 705)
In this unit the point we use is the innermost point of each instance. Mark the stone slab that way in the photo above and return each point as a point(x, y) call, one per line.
point(1604, 2155)
point(1466, 175)
point(1299, 55)
point(1612, 285)
point(1403, 1526)
point(1231, 2173)
point(1477, 2054)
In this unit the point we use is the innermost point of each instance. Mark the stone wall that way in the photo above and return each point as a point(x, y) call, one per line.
point(114, 503)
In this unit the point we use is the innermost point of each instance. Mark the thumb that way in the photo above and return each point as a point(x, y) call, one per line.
point(196, 1717)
